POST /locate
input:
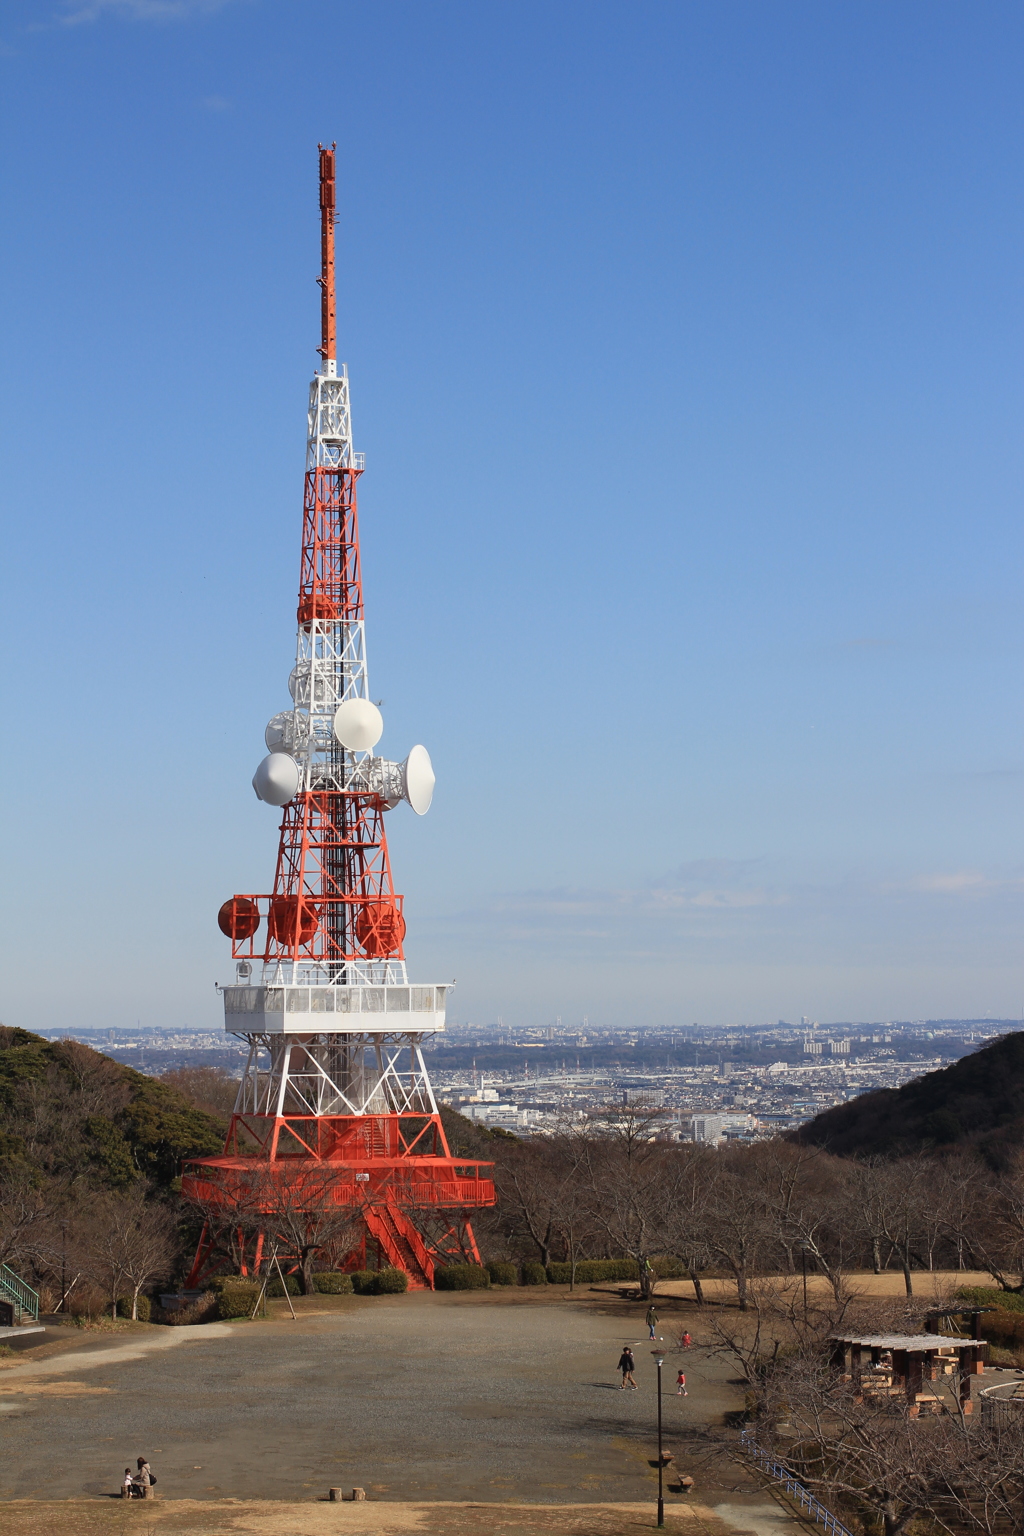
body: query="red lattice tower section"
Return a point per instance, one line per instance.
(336, 1145)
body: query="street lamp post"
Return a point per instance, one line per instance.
(659, 1357)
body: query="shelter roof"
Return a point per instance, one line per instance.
(913, 1343)
(959, 1311)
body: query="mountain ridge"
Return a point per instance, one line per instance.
(976, 1102)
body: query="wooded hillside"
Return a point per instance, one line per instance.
(72, 1115)
(976, 1102)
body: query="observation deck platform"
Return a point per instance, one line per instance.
(303, 1010)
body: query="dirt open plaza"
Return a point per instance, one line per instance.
(456, 1412)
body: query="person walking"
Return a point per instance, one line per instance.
(686, 1341)
(627, 1365)
(681, 1385)
(652, 1320)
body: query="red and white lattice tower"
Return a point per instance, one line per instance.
(335, 1079)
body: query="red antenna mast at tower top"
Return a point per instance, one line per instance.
(328, 336)
(335, 1107)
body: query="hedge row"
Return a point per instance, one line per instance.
(502, 1274)
(588, 1270)
(461, 1277)
(331, 1283)
(379, 1282)
(236, 1294)
(1004, 1326)
(983, 1296)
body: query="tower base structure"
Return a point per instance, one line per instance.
(336, 1154)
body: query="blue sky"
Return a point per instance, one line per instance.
(685, 347)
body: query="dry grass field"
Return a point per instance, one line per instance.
(927, 1284)
(186, 1517)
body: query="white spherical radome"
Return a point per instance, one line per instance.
(276, 780)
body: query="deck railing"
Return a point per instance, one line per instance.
(13, 1288)
(796, 1490)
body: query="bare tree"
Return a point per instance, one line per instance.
(892, 1198)
(207, 1088)
(998, 1228)
(130, 1242)
(628, 1169)
(528, 1176)
(962, 1190)
(572, 1202)
(869, 1454)
(982, 1474)
(739, 1223)
(307, 1211)
(25, 1203)
(690, 1209)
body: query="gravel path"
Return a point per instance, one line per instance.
(425, 1396)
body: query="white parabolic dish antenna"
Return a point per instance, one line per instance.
(276, 780)
(358, 725)
(419, 780)
(280, 733)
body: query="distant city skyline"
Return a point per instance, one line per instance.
(741, 1082)
(685, 351)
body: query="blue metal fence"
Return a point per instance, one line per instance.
(797, 1491)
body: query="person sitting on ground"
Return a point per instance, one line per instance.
(627, 1365)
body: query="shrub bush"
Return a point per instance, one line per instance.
(534, 1274)
(985, 1296)
(378, 1282)
(667, 1267)
(502, 1274)
(589, 1270)
(1004, 1326)
(275, 1288)
(390, 1282)
(330, 1283)
(143, 1308)
(461, 1277)
(238, 1300)
(203, 1310)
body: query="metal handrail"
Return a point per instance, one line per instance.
(796, 1490)
(22, 1294)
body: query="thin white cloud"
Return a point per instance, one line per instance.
(962, 882)
(76, 12)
